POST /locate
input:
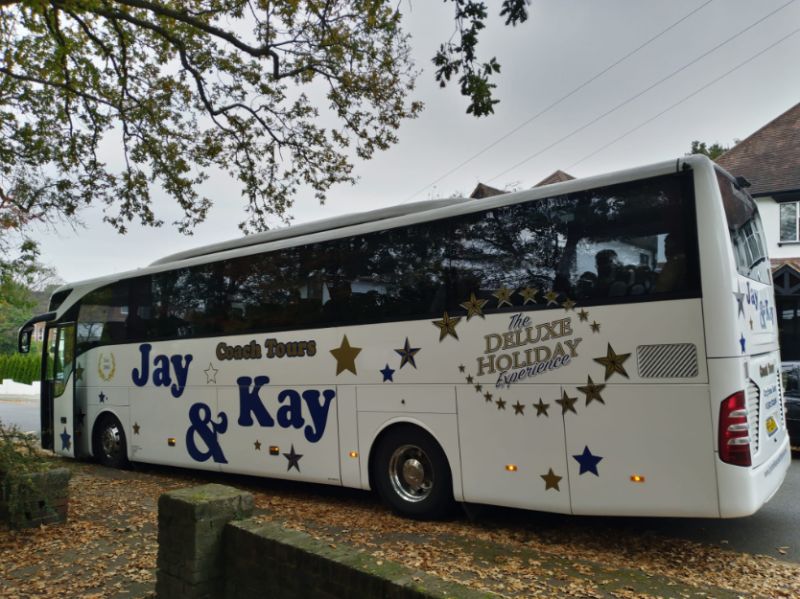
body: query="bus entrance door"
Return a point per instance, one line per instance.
(58, 390)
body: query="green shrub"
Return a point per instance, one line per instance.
(23, 368)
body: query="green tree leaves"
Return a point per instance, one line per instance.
(184, 89)
(105, 101)
(713, 151)
(453, 58)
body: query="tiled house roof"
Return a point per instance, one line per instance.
(770, 157)
(557, 177)
(485, 191)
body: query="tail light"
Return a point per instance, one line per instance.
(734, 432)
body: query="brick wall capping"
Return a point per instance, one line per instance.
(47, 501)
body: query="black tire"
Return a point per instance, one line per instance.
(411, 474)
(108, 442)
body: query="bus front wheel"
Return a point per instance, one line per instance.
(411, 473)
(110, 447)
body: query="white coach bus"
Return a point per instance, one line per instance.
(602, 346)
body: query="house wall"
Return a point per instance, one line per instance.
(770, 218)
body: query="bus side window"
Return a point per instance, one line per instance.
(673, 273)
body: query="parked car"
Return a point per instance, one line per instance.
(791, 393)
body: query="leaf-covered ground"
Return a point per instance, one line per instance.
(108, 548)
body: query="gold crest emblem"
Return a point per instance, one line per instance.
(106, 366)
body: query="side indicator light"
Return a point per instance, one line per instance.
(274, 450)
(171, 441)
(511, 467)
(353, 454)
(637, 478)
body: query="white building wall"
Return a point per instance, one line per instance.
(770, 218)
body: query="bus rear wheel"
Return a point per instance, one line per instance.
(109, 444)
(411, 474)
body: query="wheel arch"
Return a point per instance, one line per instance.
(449, 450)
(121, 418)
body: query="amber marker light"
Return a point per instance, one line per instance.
(511, 467)
(637, 478)
(353, 454)
(274, 450)
(171, 441)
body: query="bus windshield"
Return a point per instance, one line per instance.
(747, 234)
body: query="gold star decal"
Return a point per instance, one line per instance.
(447, 326)
(503, 296)
(613, 362)
(528, 294)
(568, 304)
(136, 428)
(257, 445)
(519, 408)
(541, 408)
(583, 315)
(211, 374)
(592, 391)
(469, 379)
(567, 403)
(345, 356)
(461, 368)
(551, 297)
(751, 324)
(79, 369)
(501, 403)
(474, 306)
(595, 326)
(487, 396)
(551, 480)
(478, 387)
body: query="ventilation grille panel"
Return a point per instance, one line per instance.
(780, 391)
(753, 403)
(670, 361)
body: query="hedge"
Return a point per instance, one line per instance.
(23, 368)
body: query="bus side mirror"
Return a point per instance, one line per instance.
(24, 340)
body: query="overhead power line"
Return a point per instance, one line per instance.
(644, 91)
(559, 100)
(682, 100)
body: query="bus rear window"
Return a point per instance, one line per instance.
(747, 234)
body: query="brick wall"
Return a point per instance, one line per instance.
(46, 501)
(200, 557)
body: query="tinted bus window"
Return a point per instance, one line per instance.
(102, 316)
(629, 242)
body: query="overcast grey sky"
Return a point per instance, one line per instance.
(684, 85)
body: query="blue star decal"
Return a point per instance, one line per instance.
(102, 397)
(387, 374)
(742, 342)
(407, 354)
(588, 461)
(65, 437)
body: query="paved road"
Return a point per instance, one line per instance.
(22, 411)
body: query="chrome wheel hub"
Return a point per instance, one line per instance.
(411, 473)
(109, 441)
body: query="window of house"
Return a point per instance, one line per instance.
(789, 215)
